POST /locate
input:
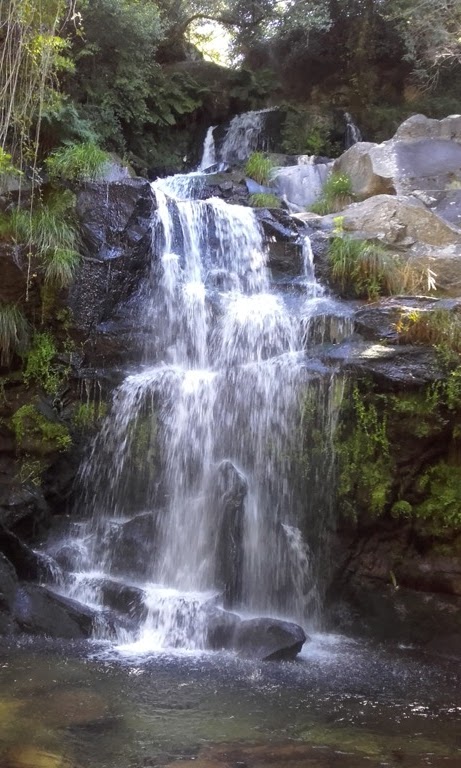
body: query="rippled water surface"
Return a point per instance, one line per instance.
(342, 704)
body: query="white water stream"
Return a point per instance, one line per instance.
(192, 487)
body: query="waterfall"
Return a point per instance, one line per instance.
(205, 483)
(209, 150)
(244, 136)
(353, 134)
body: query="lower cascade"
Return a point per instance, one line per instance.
(209, 488)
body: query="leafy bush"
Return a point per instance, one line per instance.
(14, 332)
(336, 194)
(259, 167)
(76, 162)
(264, 200)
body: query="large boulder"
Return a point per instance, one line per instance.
(269, 639)
(301, 185)
(423, 156)
(397, 220)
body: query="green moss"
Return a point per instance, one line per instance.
(32, 429)
(87, 415)
(365, 462)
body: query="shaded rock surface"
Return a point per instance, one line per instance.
(38, 611)
(269, 639)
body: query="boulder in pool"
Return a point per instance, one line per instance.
(269, 639)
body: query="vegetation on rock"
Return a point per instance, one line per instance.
(259, 168)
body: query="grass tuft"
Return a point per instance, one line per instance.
(366, 270)
(77, 162)
(14, 332)
(259, 167)
(336, 194)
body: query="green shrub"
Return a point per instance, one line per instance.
(336, 194)
(14, 332)
(77, 162)
(441, 509)
(40, 366)
(259, 168)
(264, 200)
(30, 427)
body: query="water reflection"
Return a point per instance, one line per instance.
(343, 704)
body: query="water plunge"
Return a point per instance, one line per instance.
(212, 478)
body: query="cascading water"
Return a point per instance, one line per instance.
(193, 485)
(245, 135)
(353, 134)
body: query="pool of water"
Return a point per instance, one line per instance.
(343, 703)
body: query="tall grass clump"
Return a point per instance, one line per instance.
(259, 167)
(50, 232)
(336, 194)
(366, 270)
(440, 328)
(14, 332)
(77, 162)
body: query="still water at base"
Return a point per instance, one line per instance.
(343, 704)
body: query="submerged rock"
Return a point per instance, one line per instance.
(269, 639)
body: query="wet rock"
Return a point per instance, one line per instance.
(23, 508)
(269, 639)
(221, 627)
(379, 321)
(406, 366)
(230, 492)
(29, 565)
(39, 611)
(115, 221)
(379, 610)
(124, 598)
(8, 584)
(133, 545)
